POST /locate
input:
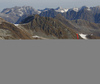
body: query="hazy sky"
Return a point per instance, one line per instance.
(40, 4)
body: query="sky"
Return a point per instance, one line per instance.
(41, 4)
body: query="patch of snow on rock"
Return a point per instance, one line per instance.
(16, 24)
(60, 9)
(39, 12)
(76, 9)
(38, 37)
(21, 13)
(35, 36)
(66, 10)
(88, 9)
(83, 36)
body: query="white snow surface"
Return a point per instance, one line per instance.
(35, 36)
(76, 9)
(66, 10)
(16, 24)
(83, 36)
(21, 13)
(89, 9)
(62, 10)
(39, 12)
(38, 37)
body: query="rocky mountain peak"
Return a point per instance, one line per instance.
(16, 14)
(60, 7)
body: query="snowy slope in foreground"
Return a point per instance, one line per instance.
(83, 36)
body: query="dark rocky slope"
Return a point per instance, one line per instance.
(48, 27)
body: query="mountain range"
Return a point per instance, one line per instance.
(60, 23)
(36, 28)
(91, 14)
(81, 26)
(16, 14)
